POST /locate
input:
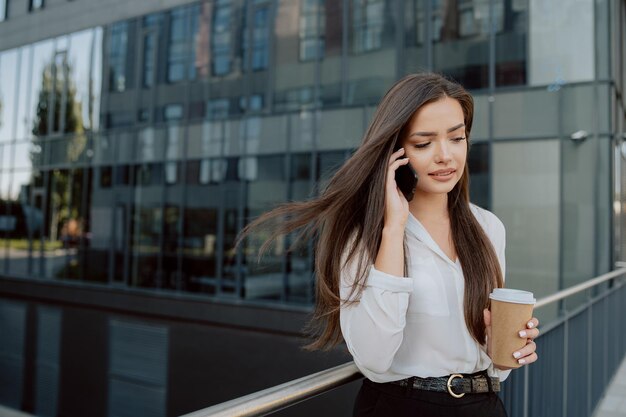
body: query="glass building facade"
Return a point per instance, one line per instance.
(132, 153)
(138, 138)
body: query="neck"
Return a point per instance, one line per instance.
(429, 207)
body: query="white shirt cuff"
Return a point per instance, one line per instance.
(384, 281)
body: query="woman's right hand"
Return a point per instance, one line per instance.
(396, 205)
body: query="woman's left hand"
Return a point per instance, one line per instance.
(526, 354)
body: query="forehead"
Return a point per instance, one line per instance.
(437, 116)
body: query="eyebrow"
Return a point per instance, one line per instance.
(452, 129)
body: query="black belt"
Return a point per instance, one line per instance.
(456, 385)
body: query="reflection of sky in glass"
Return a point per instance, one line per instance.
(22, 158)
(8, 90)
(4, 184)
(5, 156)
(20, 178)
(42, 56)
(96, 77)
(25, 74)
(79, 61)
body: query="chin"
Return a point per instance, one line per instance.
(440, 188)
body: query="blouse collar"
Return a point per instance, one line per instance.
(418, 229)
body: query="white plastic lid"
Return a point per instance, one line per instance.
(512, 296)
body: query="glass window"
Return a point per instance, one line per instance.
(96, 80)
(181, 53)
(367, 25)
(478, 163)
(200, 230)
(461, 39)
(3, 10)
(149, 59)
(256, 40)
(36, 5)
(79, 62)
(253, 103)
(222, 40)
(218, 108)
(512, 45)
(172, 112)
(264, 190)
(118, 49)
(9, 67)
(526, 190)
(312, 29)
(373, 46)
(106, 176)
(43, 56)
(560, 51)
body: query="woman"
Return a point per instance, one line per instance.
(410, 293)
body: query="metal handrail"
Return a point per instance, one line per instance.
(284, 395)
(281, 396)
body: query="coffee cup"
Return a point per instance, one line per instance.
(511, 310)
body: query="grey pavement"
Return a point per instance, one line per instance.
(613, 403)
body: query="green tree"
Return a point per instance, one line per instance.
(64, 136)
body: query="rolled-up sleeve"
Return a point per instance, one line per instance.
(373, 326)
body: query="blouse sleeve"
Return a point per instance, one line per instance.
(500, 239)
(373, 326)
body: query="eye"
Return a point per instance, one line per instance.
(459, 139)
(422, 145)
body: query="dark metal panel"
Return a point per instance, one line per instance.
(129, 399)
(138, 363)
(577, 371)
(48, 358)
(12, 333)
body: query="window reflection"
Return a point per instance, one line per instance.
(461, 36)
(512, 44)
(478, 164)
(368, 19)
(264, 190)
(181, 49)
(3, 10)
(95, 86)
(149, 51)
(118, 51)
(372, 46)
(256, 35)
(200, 230)
(312, 29)
(23, 125)
(35, 5)
(9, 68)
(222, 37)
(79, 73)
(152, 29)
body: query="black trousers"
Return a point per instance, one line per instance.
(384, 400)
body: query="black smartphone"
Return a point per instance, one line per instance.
(406, 179)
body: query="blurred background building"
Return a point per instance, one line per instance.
(138, 137)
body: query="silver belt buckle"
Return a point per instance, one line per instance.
(450, 385)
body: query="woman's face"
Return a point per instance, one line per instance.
(436, 146)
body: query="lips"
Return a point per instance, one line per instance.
(442, 172)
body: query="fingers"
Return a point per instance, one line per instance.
(534, 322)
(527, 354)
(396, 164)
(529, 334)
(397, 154)
(487, 317)
(531, 331)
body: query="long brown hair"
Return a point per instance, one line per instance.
(347, 217)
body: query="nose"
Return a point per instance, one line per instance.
(443, 153)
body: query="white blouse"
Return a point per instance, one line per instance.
(415, 326)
